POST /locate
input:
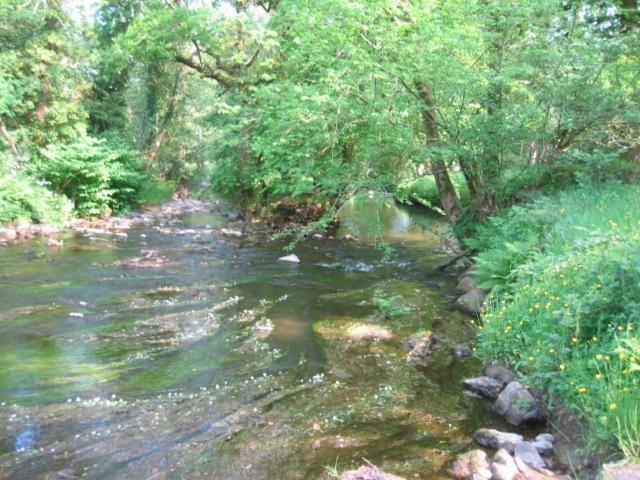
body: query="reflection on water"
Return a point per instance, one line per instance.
(223, 362)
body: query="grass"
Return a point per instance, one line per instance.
(565, 304)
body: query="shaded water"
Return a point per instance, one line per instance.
(222, 362)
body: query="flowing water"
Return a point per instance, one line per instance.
(216, 360)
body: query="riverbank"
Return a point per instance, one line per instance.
(563, 309)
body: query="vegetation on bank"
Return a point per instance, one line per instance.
(565, 303)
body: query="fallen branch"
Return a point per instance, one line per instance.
(444, 266)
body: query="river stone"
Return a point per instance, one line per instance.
(472, 465)
(500, 372)
(293, 258)
(486, 386)
(621, 471)
(491, 438)
(518, 406)
(471, 302)
(368, 472)
(529, 473)
(504, 466)
(527, 452)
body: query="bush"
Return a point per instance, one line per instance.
(21, 197)
(568, 318)
(95, 174)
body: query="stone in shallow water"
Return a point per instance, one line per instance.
(293, 258)
(527, 452)
(491, 438)
(486, 386)
(621, 471)
(368, 332)
(420, 345)
(471, 302)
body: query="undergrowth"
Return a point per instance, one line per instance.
(565, 304)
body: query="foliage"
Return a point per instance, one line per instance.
(21, 198)
(570, 315)
(95, 174)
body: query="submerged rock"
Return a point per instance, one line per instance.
(466, 284)
(472, 465)
(293, 258)
(368, 472)
(491, 438)
(486, 386)
(368, 332)
(471, 302)
(518, 405)
(420, 345)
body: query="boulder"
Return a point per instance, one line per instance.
(491, 438)
(229, 232)
(368, 472)
(518, 405)
(500, 372)
(486, 386)
(546, 437)
(621, 471)
(472, 465)
(504, 466)
(420, 345)
(527, 452)
(293, 258)
(544, 447)
(471, 302)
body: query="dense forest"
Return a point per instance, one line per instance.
(517, 121)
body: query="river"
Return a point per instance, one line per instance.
(220, 361)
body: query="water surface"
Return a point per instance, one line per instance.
(223, 362)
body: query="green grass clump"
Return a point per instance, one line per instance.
(22, 198)
(567, 312)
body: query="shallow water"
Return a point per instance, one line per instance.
(223, 362)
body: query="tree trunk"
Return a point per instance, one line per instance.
(152, 152)
(9, 139)
(446, 191)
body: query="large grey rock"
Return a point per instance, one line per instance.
(491, 438)
(504, 466)
(518, 405)
(471, 302)
(472, 465)
(546, 437)
(544, 447)
(368, 472)
(527, 452)
(621, 471)
(486, 386)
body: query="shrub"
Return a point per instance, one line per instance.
(94, 174)
(21, 197)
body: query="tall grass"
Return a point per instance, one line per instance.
(565, 308)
